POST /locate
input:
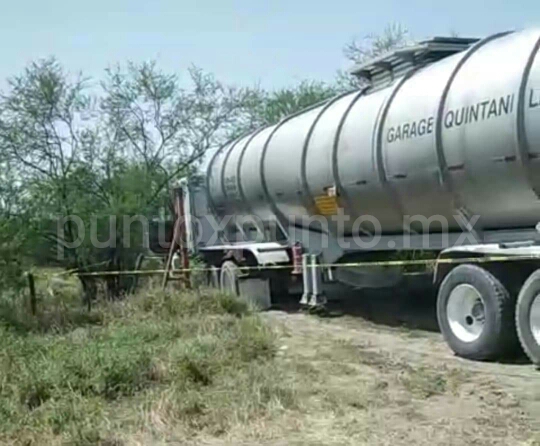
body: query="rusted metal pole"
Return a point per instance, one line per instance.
(178, 240)
(182, 238)
(170, 255)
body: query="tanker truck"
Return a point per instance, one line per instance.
(438, 153)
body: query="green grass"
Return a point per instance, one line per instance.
(200, 362)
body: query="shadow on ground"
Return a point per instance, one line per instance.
(411, 305)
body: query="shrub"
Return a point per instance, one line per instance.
(205, 359)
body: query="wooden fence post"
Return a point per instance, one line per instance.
(32, 288)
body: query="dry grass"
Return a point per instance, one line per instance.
(202, 368)
(352, 391)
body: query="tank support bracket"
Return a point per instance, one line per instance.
(306, 289)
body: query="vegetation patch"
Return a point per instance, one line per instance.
(200, 360)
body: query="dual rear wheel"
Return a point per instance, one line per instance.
(228, 278)
(224, 278)
(481, 320)
(528, 317)
(261, 291)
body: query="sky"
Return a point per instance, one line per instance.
(273, 43)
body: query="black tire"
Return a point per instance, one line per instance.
(529, 291)
(228, 279)
(498, 335)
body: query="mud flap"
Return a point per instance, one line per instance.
(256, 291)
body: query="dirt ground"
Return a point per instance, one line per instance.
(375, 370)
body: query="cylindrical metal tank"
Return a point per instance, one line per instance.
(461, 135)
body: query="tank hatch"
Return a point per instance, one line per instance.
(394, 64)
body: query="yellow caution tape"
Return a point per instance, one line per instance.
(67, 272)
(323, 265)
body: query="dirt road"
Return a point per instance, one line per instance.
(376, 371)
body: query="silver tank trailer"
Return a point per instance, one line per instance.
(460, 135)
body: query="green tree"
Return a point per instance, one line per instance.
(105, 158)
(15, 228)
(359, 51)
(150, 119)
(42, 121)
(269, 107)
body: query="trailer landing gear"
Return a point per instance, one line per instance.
(312, 294)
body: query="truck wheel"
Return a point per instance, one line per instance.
(528, 317)
(228, 280)
(212, 277)
(476, 314)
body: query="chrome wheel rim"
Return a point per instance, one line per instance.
(465, 313)
(534, 318)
